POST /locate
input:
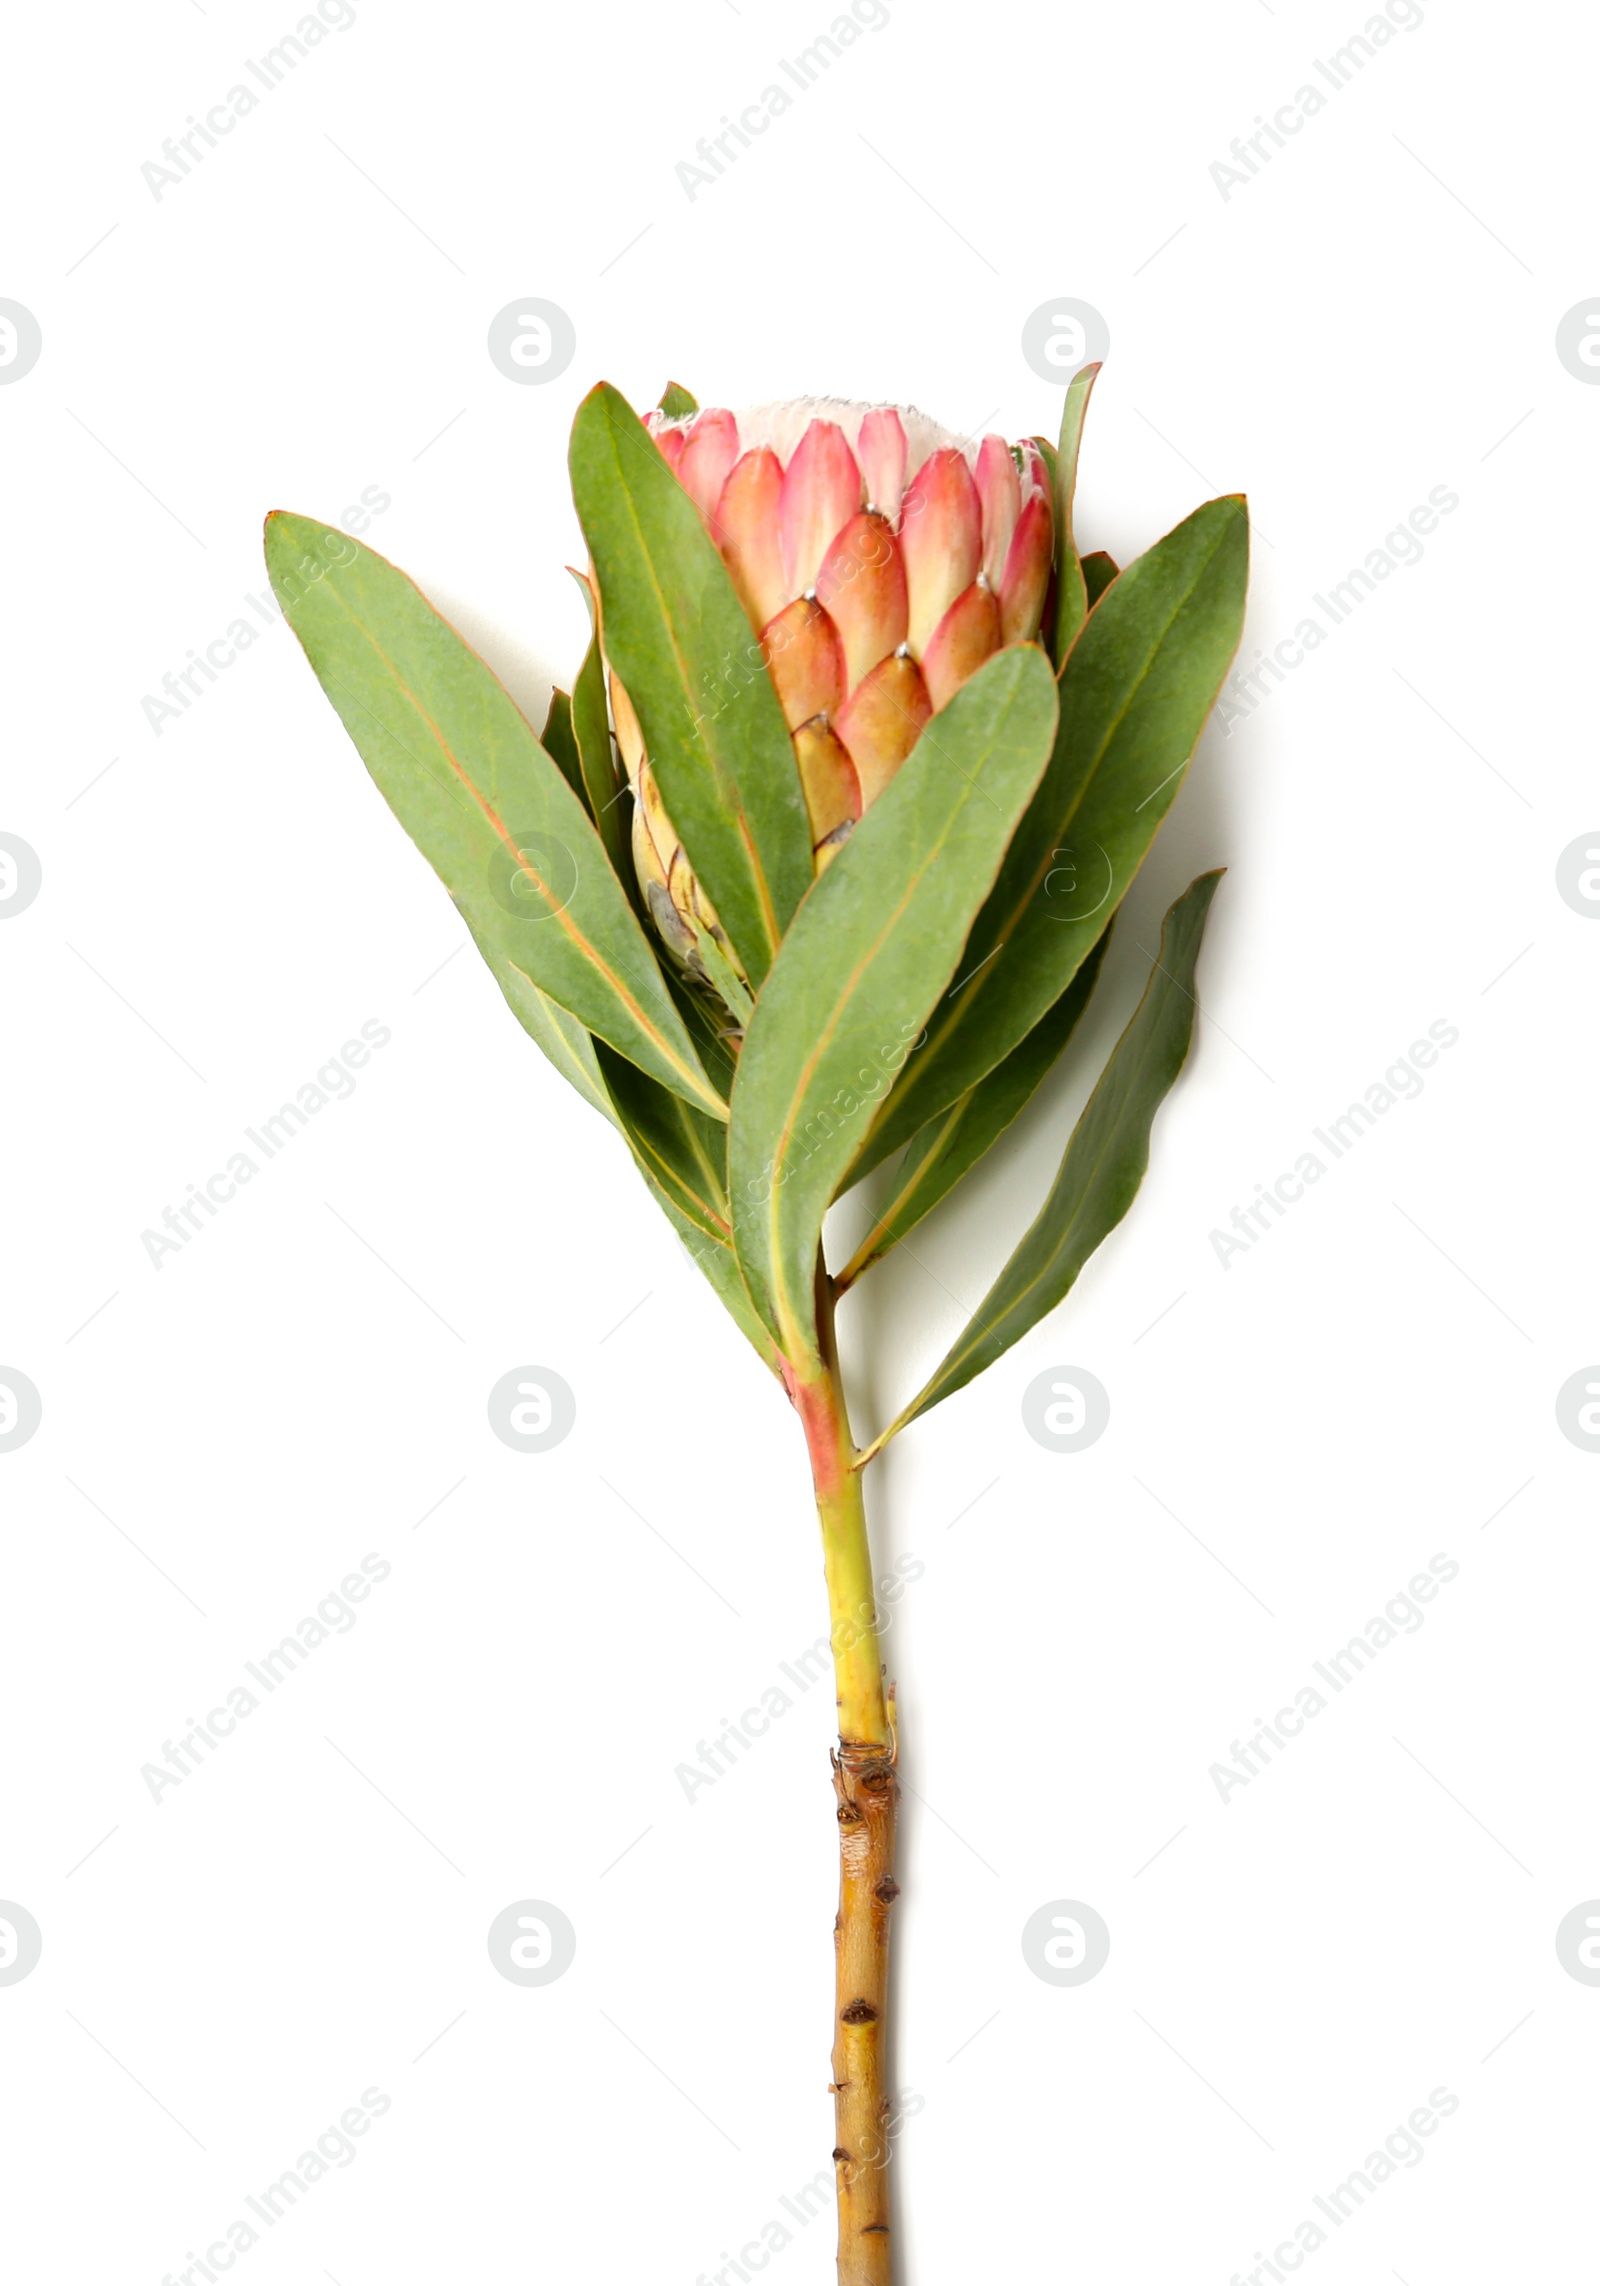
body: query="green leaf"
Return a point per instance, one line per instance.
(950, 1146)
(1072, 600)
(1099, 570)
(677, 636)
(1135, 692)
(1104, 1163)
(868, 955)
(599, 780)
(558, 742)
(464, 774)
(677, 403)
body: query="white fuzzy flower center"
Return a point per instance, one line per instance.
(781, 426)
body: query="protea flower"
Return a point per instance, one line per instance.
(880, 560)
(894, 709)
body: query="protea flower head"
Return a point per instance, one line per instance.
(880, 560)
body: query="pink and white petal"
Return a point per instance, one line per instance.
(827, 777)
(862, 586)
(821, 492)
(805, 659)
(1027, 572)
(670, 444)
(1000, 494)
(968, 634)
(941, 538)
(882, 720)
(708, 458)
(881, 449)
(746, 530)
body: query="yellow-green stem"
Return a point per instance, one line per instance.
(846, 1552)
(852, 1615)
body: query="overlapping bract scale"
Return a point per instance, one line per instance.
(877, 577)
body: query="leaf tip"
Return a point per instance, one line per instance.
(587, 586)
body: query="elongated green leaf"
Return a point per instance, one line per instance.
(677, 635)
(867, 957)
(1104, 1163)
(1072, 598)
(1135, 692)
(599, 780)
(676, 402)
(558, 742)
(1099, 570)
(464, 774)
(950, 1146)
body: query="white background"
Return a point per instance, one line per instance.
(1373, 1383)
